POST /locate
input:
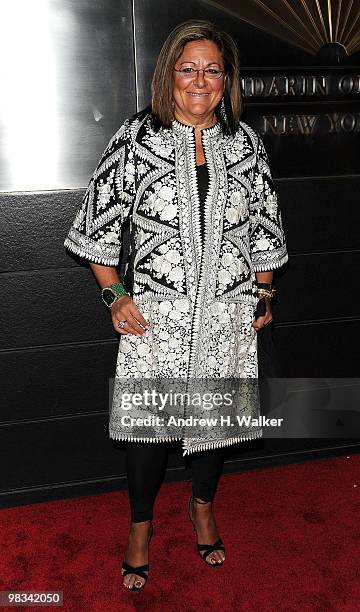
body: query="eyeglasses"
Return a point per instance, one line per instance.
(189, 73)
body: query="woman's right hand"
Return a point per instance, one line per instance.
(124, 309)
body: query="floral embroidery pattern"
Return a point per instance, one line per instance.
(232, 268)
(162, 352)
(160, 145)
(239, 149)
(159, 202)
(231, 326)
(165, 263)
(197, 292)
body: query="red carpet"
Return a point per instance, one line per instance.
(292, 535)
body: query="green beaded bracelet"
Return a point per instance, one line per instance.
(111, 293)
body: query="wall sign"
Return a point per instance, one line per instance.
(300, 86)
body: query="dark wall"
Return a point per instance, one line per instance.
(58, 347)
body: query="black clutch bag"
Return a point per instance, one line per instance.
(260, 308)
(268, 360)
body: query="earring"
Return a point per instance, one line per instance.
(222, 108)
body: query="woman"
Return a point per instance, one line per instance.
(206, 233)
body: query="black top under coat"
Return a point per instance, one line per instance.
(203, 185)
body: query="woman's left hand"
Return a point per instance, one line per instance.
(266, 318)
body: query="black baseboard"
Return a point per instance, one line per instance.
(262, 454)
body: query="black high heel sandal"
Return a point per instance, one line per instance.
(205, 550)
(139, 571)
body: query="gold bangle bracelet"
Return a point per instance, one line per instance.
(266, 293)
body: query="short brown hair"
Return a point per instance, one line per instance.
(162, 81)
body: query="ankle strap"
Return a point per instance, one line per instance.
(199, 501)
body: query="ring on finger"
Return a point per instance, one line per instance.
(121, 324)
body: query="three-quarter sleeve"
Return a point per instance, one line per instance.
(268, 248)
(96, 230)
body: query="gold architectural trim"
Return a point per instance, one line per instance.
(307, 24)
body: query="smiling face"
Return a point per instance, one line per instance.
(196, 96)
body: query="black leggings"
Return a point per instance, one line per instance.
(146, 465)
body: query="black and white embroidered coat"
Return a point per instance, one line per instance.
(196, 290)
